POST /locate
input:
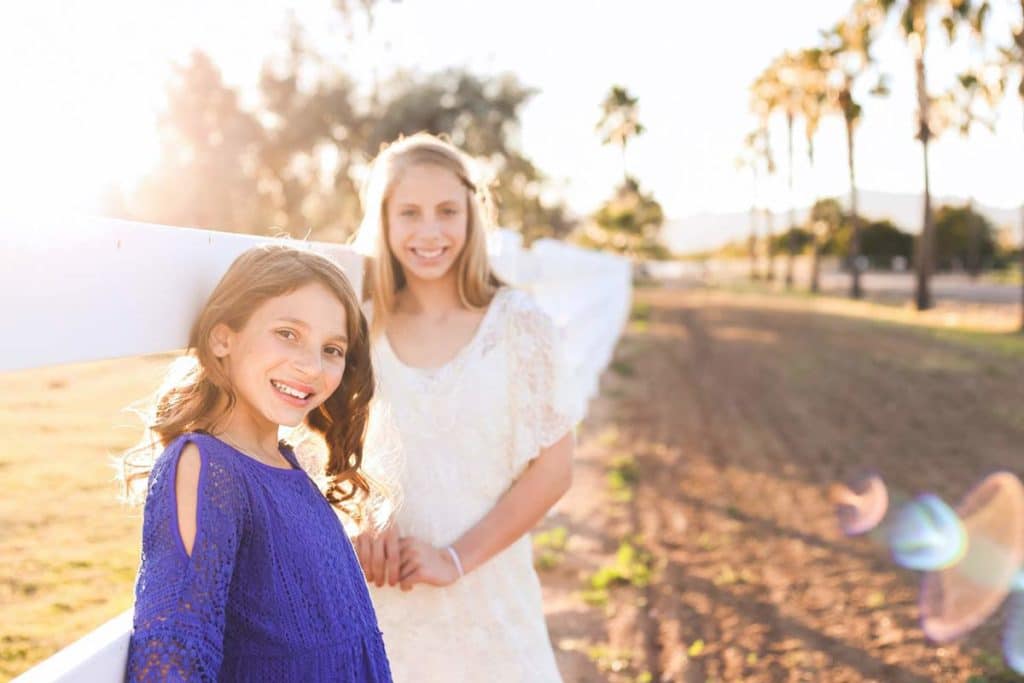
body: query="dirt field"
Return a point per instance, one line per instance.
(730, 414)
(696, 544)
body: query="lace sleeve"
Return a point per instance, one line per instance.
(180, 600)
(541, 399)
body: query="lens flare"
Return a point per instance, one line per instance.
(960, 596)
(861, 505)
(926, 535)
(1013, 633)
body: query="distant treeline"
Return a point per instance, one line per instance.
(965, 240)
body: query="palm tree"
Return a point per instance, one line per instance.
(778, 89)
(752, 156)
(765, 99)
(619, 122)
(913, 19)
(848, 60)
(743, 161)
(813, 101)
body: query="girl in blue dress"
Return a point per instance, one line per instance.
(246, 572)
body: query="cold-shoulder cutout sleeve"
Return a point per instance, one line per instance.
(541, 397)
(181, 599)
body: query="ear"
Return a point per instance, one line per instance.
(221, 337)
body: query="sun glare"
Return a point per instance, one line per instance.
(83, 125)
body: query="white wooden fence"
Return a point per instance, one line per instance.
(84, 290)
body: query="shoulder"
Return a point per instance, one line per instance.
(195, 447)
(523, 312)
(517, 303)
(203, 463)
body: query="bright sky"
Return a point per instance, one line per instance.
(84, 81)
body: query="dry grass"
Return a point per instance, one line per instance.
(69, 548)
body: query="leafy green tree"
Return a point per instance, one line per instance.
(208, 173)
(481, 117)
(1010, 64)
(305, 160)
(825, 219)
(628, 223)
(963, 238)
(619, 122)
(971, 100)
(884, 241)
(290, 165)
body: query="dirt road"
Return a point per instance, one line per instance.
(727, 416)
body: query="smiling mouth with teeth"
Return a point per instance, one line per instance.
(290, 391)
(429, 253)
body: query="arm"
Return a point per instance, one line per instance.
(544, 482)
(540, 450)
(191, 531)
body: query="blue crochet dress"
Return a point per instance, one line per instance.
(272, 591)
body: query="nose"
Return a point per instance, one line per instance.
(430, 228)
(309, 362)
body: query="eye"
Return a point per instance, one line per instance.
(336, 351)
(285, 333)
(449, 211)
(407, 212)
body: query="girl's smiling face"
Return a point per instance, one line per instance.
(288, 358)
(428, 219)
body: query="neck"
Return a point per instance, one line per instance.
(430, 297)
(247, 433)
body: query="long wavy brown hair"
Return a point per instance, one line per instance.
(196, 394)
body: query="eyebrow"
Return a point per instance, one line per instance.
(416, 205)
(340, 336)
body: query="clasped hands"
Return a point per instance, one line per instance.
(388, 558)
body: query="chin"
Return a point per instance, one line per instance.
(287, 418)
(433, 273)
(291, 422)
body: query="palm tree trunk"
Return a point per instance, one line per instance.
(854, 255)
(1022, 267)
(815, 246)
(1020, 89)
(924, 257)
(973, 241)
(791, 239)
(625, 174)
(752, 239)
(752, 245)
(769, 239)
(815, 263)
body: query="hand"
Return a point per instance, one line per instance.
(423, 563)
(379, 554)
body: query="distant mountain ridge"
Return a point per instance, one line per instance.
(710, 230)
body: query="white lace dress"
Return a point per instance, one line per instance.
(466, 431)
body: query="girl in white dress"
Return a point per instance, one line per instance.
(470, 375)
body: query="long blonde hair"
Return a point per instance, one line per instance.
(197, 393)
(384, 278)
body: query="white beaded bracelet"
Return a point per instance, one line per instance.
(455, 559)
